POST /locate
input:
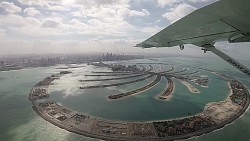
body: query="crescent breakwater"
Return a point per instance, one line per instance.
(214, 116)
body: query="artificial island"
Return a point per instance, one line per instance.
(214, 116)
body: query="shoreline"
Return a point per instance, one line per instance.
(168, 96)
(213, 117)
(134, 92)
(190, 87)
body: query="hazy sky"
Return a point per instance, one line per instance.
(58, 26)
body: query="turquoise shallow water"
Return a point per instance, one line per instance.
(19, 122)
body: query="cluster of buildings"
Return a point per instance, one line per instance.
(201, 81)
(215, 115)
(239, 95)
(92, 126)
(116, 84)
(40, 90)
(182, 126)
(116, 67)
(54, 110)
(6, 66)
(20, 62)
(136, 91)
(168, 91)
(46, 81)
(112, 57)
(39, 93)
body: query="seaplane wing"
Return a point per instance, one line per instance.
(225, 20)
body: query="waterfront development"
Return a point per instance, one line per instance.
(19, 121)
(215, 115)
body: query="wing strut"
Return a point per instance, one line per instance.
(227, 58)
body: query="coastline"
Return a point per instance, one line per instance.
(136, 91)
(190, 87)
(96, 127)
(166, 98)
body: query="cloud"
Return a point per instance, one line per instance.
(32, 21)
(50, 23)
(31, 11)
(127, 12)
(98, 39)
(178, 12)
(99, 3)
(12, 20)
(95, 22)
(57, 8)
(78, 14)
(106, 9)
(77, 23)
(151, 30)
(101, 18)
(28, 2)
(2, 31)
(18, 23)
(102, 23)
(163, 3)
(39, 2)
(10, 7)
(199, 1)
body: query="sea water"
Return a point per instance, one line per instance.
(19, 122)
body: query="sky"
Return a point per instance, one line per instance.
(82, 26)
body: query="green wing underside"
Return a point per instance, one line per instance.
(216, 22)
